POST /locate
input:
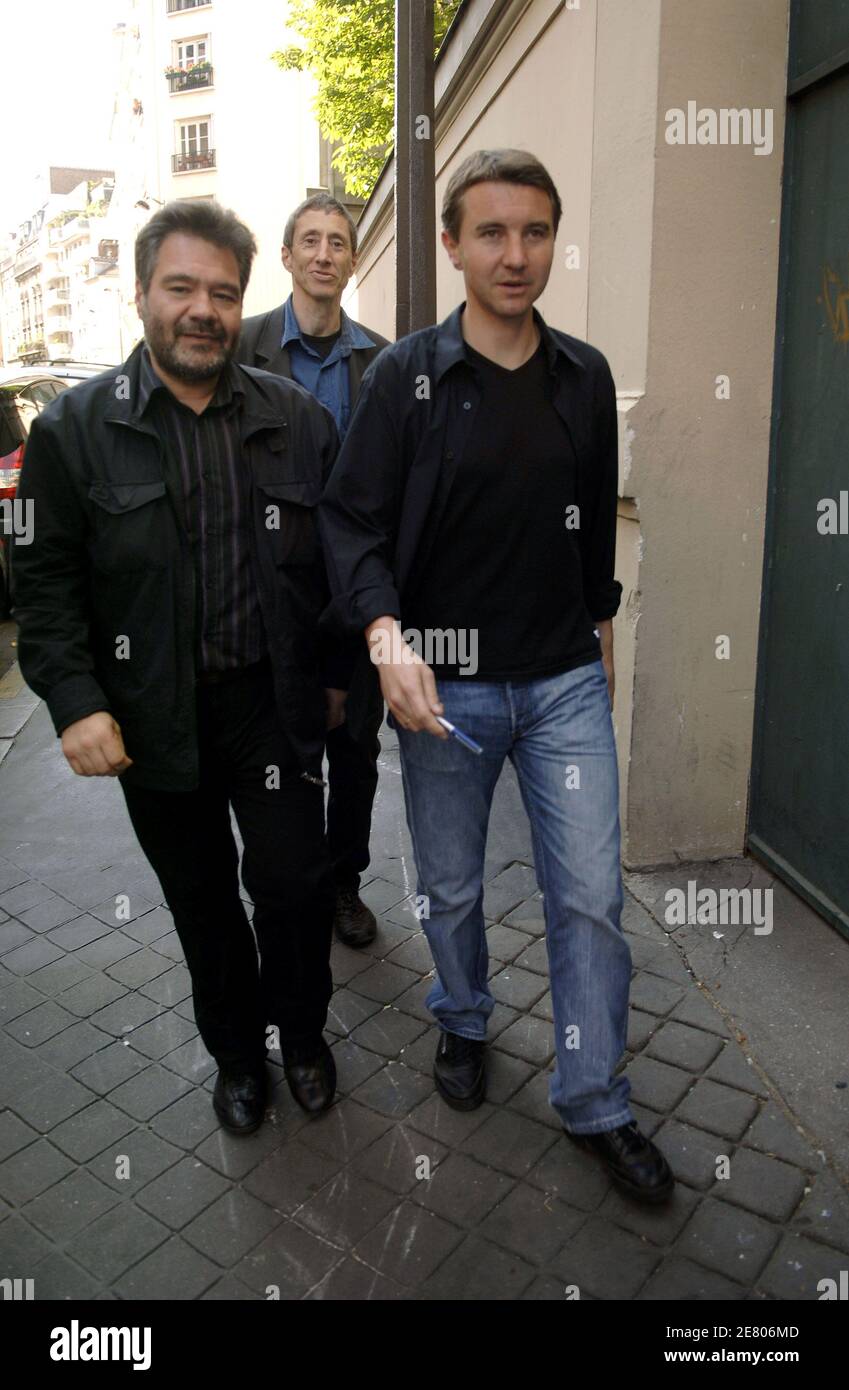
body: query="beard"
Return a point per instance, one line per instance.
(186, 361)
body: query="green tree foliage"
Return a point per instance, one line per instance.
(349, 47)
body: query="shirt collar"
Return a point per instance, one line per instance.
(351, 335)
(451, 345)
(229, 384)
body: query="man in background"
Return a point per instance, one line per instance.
(312, 340)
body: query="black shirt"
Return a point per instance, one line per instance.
(323, 345)
(217, 514)
(505, 563)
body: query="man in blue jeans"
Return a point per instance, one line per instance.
(474, 500)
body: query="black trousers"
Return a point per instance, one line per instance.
(352, 775)
(188, 840)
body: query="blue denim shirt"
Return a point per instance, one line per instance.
(327, 380)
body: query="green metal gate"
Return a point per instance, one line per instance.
(799, 806)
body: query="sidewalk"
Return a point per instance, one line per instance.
(117, 1183)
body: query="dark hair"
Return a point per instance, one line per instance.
(496, 166)
(205, 219)
(320, 202)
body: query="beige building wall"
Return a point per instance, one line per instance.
(667, 261)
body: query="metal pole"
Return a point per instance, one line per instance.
(415, 168)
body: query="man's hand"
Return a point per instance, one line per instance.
(605, 633)
(407, 683)
(94, 747)
(335, 707)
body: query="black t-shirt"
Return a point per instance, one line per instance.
(323, 346)
(504, 561)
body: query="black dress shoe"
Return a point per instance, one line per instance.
(632, 1160)
(356, 924)
(311, 1073)
(239, 1099)
(459, 1070)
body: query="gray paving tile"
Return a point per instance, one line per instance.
(461, 1190)
(169, 988)
(533, 1224)
(344, 1130)
(117, 1240)
(718, 1109)
(90, 996)
(173, 1272)
(162, 1035)
(399, 1159)
(773, 1133)
(732, 1069)
(23, 1247)
(691, 1153)
(798, 1268)
(387, 1032)
(519, 989)
(394, 1091)
(728, 1240)
(126, 1013)
(351, 1281)
(679, 1280)
(509, 1142)
(824, 1213)
(383, 982)
(188, 1121)
(347, 1207)
(59, 975)
(35, 953)
(109, 1067)
(134, 1160)
(290, 1260)
(181, 1193)
(762, 1185)
(58, 1278)
(661, 1224)
(14, 1134)
(77, 933)
(52, 1102)
(90, 1131)
(107, 949)
(139, 968)
(605, 1261)
(682, 1046)
(289, 1176)
(41, 1023)
(353, 1065)
(69, 1206)
(409, 1244)
(30, 1171)
(529, 1038)
(149, 1092)
(231, 1227)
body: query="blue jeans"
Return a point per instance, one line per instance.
(558, 734)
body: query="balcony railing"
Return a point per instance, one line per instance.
(188, 163)
(191, 80)
(174, 6)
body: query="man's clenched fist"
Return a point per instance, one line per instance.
(94, 747)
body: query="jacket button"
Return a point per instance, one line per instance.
(467, 405)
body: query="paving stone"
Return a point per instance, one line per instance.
(150, 927)
(168, 989)
(439, 1121)
(23, 1247)
(544, 1007)
(85, 887)
(239, 1155)
(509, 1142)
(732, 1069)
(17, 998)
(162, 1035)
(123, 908)
(383, 982)
(65, 1209)
(351, 1281)
(395, 1160)
(694, 1009)
(187, 1122)
(149, 1092)
(763, 1185)
(49, 913)
(656, 1084)
(412, 1001)
(26, 894)
(347, 1207)
(533, 1224)
(824, 1214)
(691, 1153)
(661, 1224)
(419, 1054)
(532, 1100)
(31, 956)
(500, 1018)
(231, 1227)
(13, 934)
(181, 1193)
(797, 1268)
(175, 1272)
(605, 1261)
(169, 945)
(505, 1075)
(14, 1135)
(344, 1130)
(408, 1244)
(229, 1289)
(58, 1279)
(461, 1190)
(21, 1070)
(126, 1014)
(667, 963)
(571, 1174)
(654, 995)
(413, 954)
(353, 1065)
(529, 1038)
(510, 888)
(11, 876)
(690, 1048)
(648, 1120)
(59, 975)
(380, 895)
(638, 922)
(131, 1162)
(391, 934)
(52, 1102)
(288, 1177)
(518, 988)
(107, 1068)
(291, 1259)
(91, 1130)
(40, 1023)
(394, 1091)
(682, 1281)
(120, 1238)
(641, 1026)
(478, 1271)
(728, 1240)
(534, 958)
(78, 933)
(139, 968)
(718, 1109)
(347, 1010)
(774, 1134)
(108, 950)
(346, 963)
(387, 1032)
(506, 943)
(191, 1061)
(30, 1171)
(90, 996)
(544, 1288)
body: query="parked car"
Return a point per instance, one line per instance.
(24, 392)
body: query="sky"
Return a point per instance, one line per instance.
(56, 94)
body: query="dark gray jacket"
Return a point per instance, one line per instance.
(259, 346)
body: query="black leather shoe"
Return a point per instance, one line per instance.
(311, 1073)
(459, 1070)
(633, 1161)
(239, 1099)
(356, 924)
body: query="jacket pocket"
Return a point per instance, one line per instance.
(127, 526)
(287, 517)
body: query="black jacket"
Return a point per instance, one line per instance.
(381, 508)
(110, 558)
(259, 346)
